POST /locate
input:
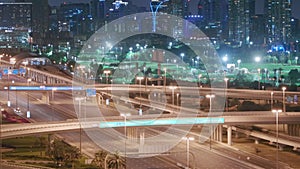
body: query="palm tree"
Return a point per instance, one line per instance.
(99, 159)
(116, 161)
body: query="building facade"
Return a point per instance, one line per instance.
(15, 25)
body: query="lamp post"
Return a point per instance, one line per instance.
(8, 100)
(28, 111)
(177, 99)
(272, 94)
(210, 96)
(226, 86)
(239, 62)
(106, 72)
(258, 70)
(13, 82)
(173, 88)
(140, 79)
(277, 111)
(165, 79)
(188, 139)
(283, 99)
(182, 55)
(125, 132)
(79, 99)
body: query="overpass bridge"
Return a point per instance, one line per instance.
(16, 130)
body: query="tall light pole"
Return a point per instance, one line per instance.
(226, 86)
(125, 132)
(106, 72)
(277, 111)
(177, 99)
(188, 139)
(79, 99)
(140, 79)
(272, 94)
(13, 82)
(283, 99)
(182, 56)
(165, 79)
(8, 100)
(210, 96)
(140, 82)
(28, 111)
(173, 88)
(258, 70)
(239, 62)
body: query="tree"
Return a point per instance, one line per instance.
(99, 159)
(294, 75)
(62, 153)
(116, 161)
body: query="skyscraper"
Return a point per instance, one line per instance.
(278, 21)
(239, 14)
(214, 13)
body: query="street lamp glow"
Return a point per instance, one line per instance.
(257, 59)
(225, 58)
(276, 111)
(182, 55)
(283, 98)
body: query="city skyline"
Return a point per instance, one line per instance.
(295, 5)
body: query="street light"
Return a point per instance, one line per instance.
(258, 70)
(177, 99)
(277, 111)
(272, 94)
(165, 79)
(16, 96)
(210, 96)
(106, 72)
(226, 86)
(239, 62)
(28, 111)
(182, 55)
(125, 132)
(140, 79)
(257, 59)
(188, 139)
(283, 99)
(79, 99)
(173, 88)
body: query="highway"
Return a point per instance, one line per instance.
(62, 108)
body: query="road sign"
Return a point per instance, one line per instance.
(90, 92)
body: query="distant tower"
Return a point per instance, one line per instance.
(278, 21)
(239, 22)
(214, 13)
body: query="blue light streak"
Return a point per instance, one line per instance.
(159, 122)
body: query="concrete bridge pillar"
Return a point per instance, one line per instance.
(220, 127)
(229, 135)
(293, 129)
(45, 97)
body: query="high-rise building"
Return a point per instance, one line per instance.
(214, 13)
(239, 14)
(15, 25)
(278, 21)
(74, 19)
(40, 20)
